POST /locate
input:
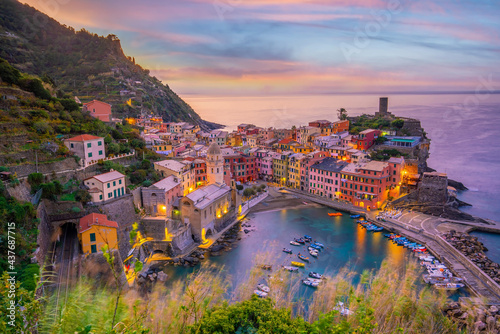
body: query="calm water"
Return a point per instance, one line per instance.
(347, 245)
(492, 242)
(464, 144)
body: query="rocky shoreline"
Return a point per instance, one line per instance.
(474, 249)
(474, 318)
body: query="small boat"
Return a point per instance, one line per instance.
(434, 279)
(319, 244)
(317, 280)
(299, 240)
(290, 268)
(305, 203)
(334, 214)
(449, 286)
(263, 287)
(295, 243)
(313, 253)
(297, 264)
(315, 275)
(261, 294)
(426, 258)
(310, 283)
(316, 247)
(287, 250)
(307, 237)
(355, 216)
(344, 311)
(303, 258)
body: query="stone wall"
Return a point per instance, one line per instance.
(412, 127)
(182, 240)
(153, 228)
(433, 188)
(45, 232)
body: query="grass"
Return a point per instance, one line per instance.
(67, 197)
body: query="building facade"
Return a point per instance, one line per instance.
(89, 148)
(107, 186)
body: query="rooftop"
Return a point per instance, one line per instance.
(174, 165)
(203, 197)
(330, 165)
(167, 183)
(84, 138)
(106, 177)
(95, 219)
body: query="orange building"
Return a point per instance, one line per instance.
(98, 109)
(95, 231)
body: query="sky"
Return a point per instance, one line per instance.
(300, 47)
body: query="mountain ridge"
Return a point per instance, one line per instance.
(86, 65)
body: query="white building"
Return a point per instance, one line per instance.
(89, 148)
(104, 187)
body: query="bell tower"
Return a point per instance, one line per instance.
(215, 164)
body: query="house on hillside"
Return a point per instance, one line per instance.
(95, 231)
(89, 148)
(104, 187)
(98, 109)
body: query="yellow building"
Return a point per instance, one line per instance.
(297, 148)
(95, 231)
(294, 172)
(280, 168)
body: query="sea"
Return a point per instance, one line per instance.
(464, 130)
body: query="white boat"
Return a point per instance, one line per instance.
(435, 279)
(317, 280)
(344, 311)
(290, 268)
(439, 273)
(313, 253)
(310, 283)
(263, 287)
(427, 258)
(449, 286)
(295, 243)
(261, 294)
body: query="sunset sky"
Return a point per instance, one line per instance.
(259, 47)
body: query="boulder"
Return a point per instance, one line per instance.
(479, 326)
(490, 322)
(162, 277)
(216, 248)
(493, 309)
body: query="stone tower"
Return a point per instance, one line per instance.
(215, 164)
(383, 107)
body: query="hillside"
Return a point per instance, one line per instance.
(82, 64)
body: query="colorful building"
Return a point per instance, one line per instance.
(242, 167)
(365, 139)
(324, 177)
(107, 186)
(159, 198)
(89, 148)
(98, 109)
(95, 231)
(184, 171)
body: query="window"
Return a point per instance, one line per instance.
(72, 145)
(99, 143)
(109, 184)
(100, 197)
(93, 249)
(92, 237)
(114, 183)
(120, 181)
(90, 154)
(89, 145)
(109, 195)
(100, 152)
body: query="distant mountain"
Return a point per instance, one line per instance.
(82, 64)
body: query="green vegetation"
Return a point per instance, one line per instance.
(386, 154)
(385, 302)
(364, 122)
(79, 63)
(342, 114)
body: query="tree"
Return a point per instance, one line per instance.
(342, 114)
(83, 196)
(248, 192)
(398, 123)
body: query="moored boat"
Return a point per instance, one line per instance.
(310, 283)
(303, 258)
(315, 247)
(299, 240)
(355, 216)
(449, 286)
(290, 268)
(297, 264)
(319, 244)
(315, 275)
(307, 237)
(261, 294)
(263, 287)
(295, 243)
(317, 280)
(433, 279)
(333, 214)
(313, 253)
(287, 250)
(266, 266)
(344, 311)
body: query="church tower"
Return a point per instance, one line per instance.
(215, 164)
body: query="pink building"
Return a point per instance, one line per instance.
(98, 109)
(365, 139)
(325, 176)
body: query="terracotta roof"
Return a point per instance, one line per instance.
(94, 101)
(84, 138)
(95, 219)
